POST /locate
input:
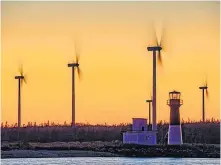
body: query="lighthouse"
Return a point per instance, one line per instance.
(175, 132)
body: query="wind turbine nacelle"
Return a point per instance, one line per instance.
(73, 65)
(203, 87)
(154, 48)
(19, 77)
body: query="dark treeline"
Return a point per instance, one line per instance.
(193, 132)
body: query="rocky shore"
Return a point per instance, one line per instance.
(106, 149)
(53, 154)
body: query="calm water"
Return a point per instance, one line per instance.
(111, 161)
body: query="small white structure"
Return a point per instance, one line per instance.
(175, 131)
(140, 133)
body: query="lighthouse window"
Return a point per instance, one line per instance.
(142, 128)
(171, 96)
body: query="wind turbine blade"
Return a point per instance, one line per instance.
(75, 49)
(154, 35)
(77, 58)
(159, 59)
(205, 80)
(79, 72)
(207, 93)
(25, 79)
(21, 70)
(163, 38)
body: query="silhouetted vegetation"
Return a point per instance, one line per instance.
(193, 132)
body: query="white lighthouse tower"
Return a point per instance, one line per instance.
(175, 132)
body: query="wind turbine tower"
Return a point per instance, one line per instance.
(21, 79)
(74, 65)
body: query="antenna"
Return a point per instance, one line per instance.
(149, 125)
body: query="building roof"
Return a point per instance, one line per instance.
(174, 92)
(139, 119)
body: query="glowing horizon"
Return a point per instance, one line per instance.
(116, 66)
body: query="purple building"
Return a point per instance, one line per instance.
(140, 133)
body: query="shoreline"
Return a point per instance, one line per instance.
(106, 149)
(53, 154)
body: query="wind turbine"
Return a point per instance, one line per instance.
(158, 46)
(204, 87)
(21, 78)
(74, 65)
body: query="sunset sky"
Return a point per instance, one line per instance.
(117, 68)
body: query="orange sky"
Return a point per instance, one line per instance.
(116, 66)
